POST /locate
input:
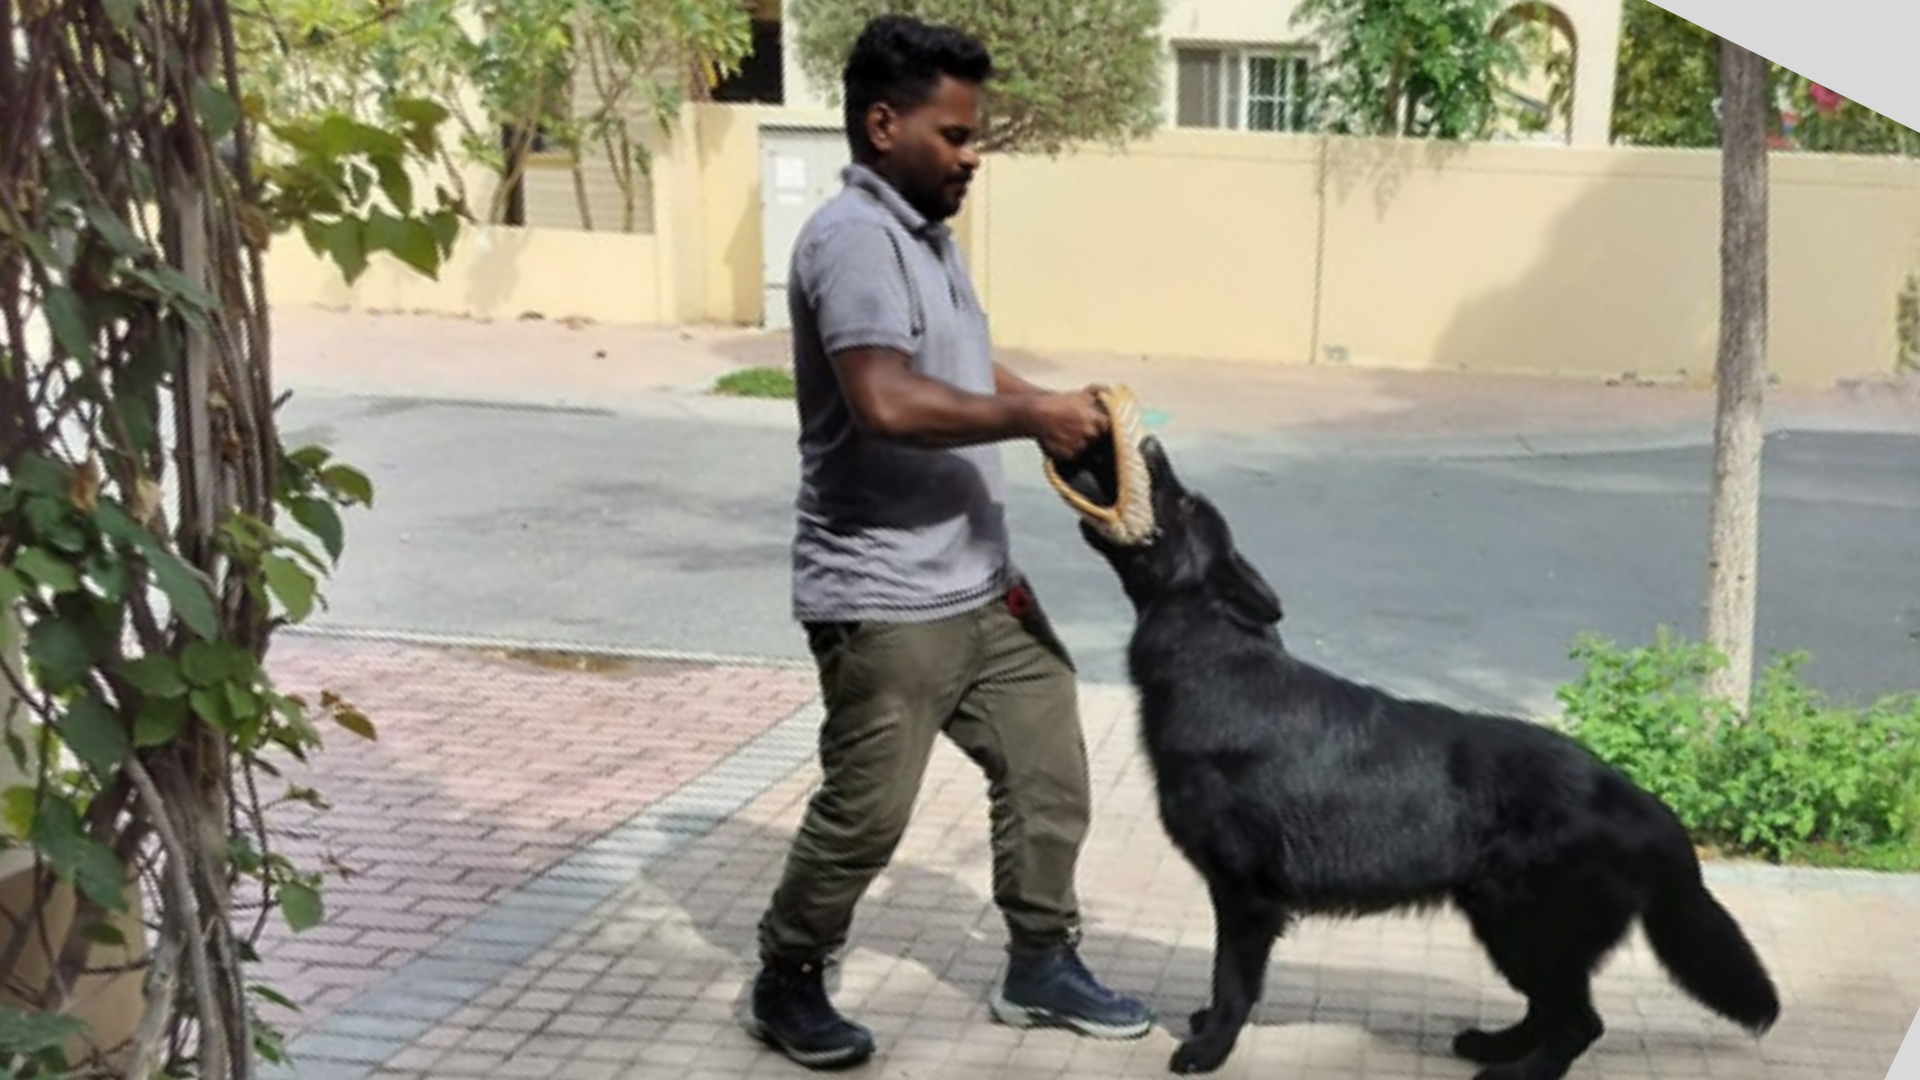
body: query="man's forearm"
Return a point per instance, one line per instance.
(1007, 383)
(937, 416)
(894, 402)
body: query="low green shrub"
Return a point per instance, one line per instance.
(757, 382)
(1801, 779)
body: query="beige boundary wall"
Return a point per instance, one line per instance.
(1486, 258)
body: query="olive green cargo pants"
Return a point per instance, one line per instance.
(998, 682)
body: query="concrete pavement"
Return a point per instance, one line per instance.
(626, 955)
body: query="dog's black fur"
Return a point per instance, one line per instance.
(1293, 791)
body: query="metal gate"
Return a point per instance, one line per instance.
(799, 170)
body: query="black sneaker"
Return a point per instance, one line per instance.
(1053, 988)
(790, 1012)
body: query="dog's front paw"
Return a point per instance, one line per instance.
(1198, 1055)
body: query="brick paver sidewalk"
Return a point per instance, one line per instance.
(489, 768)
(644, 981)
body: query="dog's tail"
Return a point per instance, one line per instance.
(1701, 945)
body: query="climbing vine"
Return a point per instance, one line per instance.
(154, 530)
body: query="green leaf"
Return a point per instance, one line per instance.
(12, 588)
(77, 858)
(308, 458)
(420, 112)
(161, 721)
(349, 483)
(446, 227)
(243, 855)
(293, 586)
(155, 675)
(37, 1033)
(104, 933)
(340, 136)
(300, 903)
(54, 521)
(177, 288)
(111, 229)
(42, 476)
(108, 572)
(17, 811)
(346, 241)
(59, 649)
(315, 232)
(210, 704)
(185, 589)
(210, 663)
(94, 733)
(296, 728)
(67, 316)
(395, 183)
(268, 1044)
(323, 521)
(411, 241)
(242, 702)
(268, 993)
(218, 111)
(48, 570)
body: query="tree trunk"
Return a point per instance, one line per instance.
(1739, 373)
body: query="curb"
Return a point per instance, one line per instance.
(436, 640)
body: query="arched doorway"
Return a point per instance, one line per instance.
(1540, 100)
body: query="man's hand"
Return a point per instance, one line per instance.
(1064, 424)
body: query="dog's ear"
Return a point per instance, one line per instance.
(1249, 600)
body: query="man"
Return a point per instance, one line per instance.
(902, 575)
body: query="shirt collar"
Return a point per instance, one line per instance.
(864, 178)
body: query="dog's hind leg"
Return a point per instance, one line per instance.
(1548, 948)
(1563, 1025)
(1245, 927)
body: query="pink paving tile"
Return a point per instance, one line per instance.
(489, 768)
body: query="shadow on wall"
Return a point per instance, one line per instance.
(1626, 280)
(1382, 167)
(497, 255)
(1624, 284)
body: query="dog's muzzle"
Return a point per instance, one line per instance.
(1107, 483)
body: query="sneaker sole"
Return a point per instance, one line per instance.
(824, 1060)
(1026, 1016)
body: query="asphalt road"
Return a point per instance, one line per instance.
(1440, 571)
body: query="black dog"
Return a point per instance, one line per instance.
(1293, 791)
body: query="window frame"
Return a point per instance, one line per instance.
(1233, 66)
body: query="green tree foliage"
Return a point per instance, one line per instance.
(1668, 80)
(1839, 126)
(580, 77)
(1421, 68)
(1068, 72)
(1668, 84)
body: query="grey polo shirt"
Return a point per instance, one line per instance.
(888, 532)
